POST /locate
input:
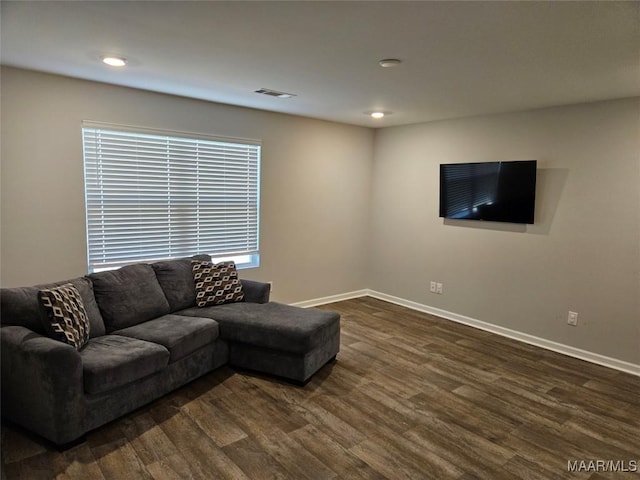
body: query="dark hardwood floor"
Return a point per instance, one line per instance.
(411, 396)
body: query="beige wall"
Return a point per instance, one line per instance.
(582, 254)
(314, 194)
(346, 208)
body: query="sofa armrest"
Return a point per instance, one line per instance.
(42, 384)
(256, 292)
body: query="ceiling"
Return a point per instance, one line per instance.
(459, 58)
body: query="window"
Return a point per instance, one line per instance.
(157, 195)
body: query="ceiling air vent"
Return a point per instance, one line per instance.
(274, 93)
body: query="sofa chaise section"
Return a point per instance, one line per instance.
(275, 338)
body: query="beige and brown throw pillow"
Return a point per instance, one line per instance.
(216, 283)
(68, 321)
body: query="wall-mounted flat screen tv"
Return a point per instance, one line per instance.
(491, 191)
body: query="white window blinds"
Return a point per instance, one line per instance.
(153, 196)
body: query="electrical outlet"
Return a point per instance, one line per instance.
(432, 287)
(572, 318)
(270, 286)
(439, 288)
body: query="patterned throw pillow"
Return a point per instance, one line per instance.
(68, 321)
(216, 284)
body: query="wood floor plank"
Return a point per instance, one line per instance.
(598, 403)
(412, 359)
(330, 452)
(461, 373)
(327, 422)
(614, 432)
(43, 466)
(216, 423)
(359, 362)
(147, 438)
(393, 377)
(17, 446)
(627, 394)
(540, 458)
(298, 461)
(81, 463)
(395, 464)
(204, 457)
(511, 408)
(410, 396)
(574, 443)
(516, 388)
(119, 460)
(452, 439)
(365, 418)
(281, 391)
(259, 414)
(172, 467)
(457, 454)
(255, 461)
(526, 470)
(464, 413)
(344, 382)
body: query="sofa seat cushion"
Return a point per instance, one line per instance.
(272, 325)
(111, 361)
(179, 334)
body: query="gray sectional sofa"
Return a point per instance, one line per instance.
(146, 338)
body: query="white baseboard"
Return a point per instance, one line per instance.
(603, 360)
(332, 298)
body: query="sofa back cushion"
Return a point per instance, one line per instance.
(128, 296)
(21, 306)
(176, 279)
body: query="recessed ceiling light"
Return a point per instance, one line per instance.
(114, 61)
(389, 62)
(377, 114)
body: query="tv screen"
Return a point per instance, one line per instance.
(491, 191)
